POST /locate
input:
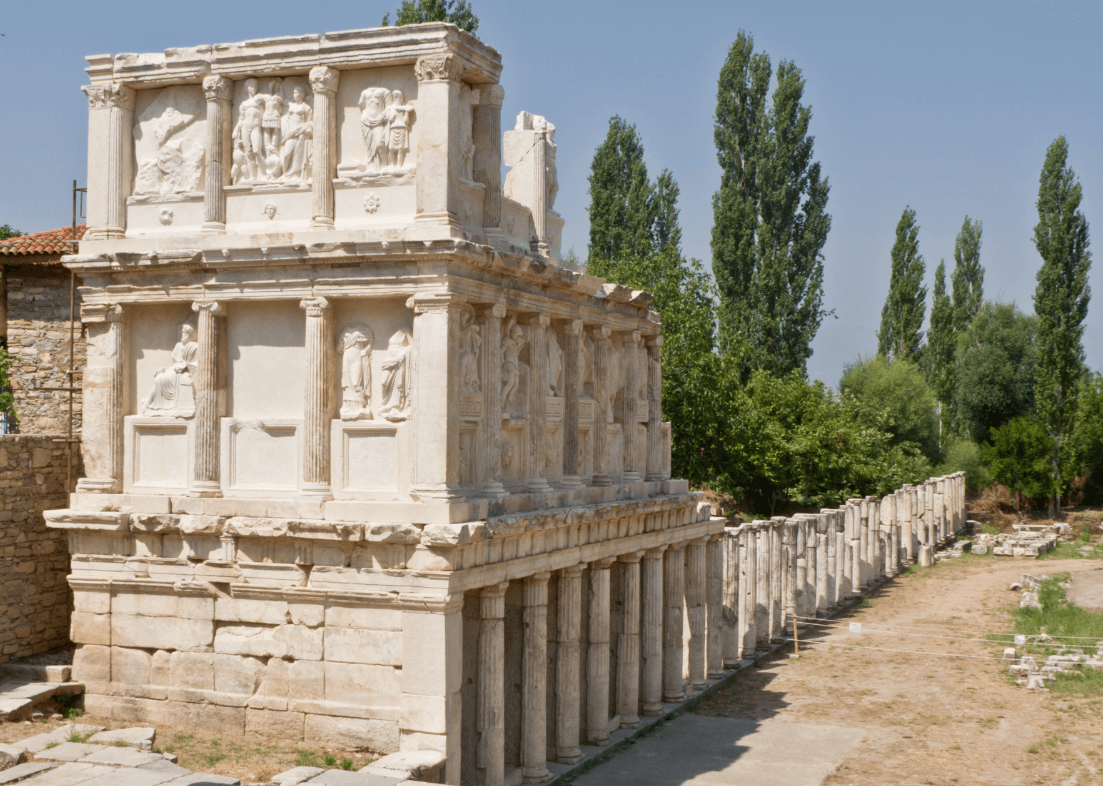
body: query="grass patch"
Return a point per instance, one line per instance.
(307, 758)
(1071, 626)
(74, 737)
(51, 745)
(121, 744)
(346, 764)
(1073, 551)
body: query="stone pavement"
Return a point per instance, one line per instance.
(704, 751)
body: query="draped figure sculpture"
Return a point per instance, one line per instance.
(173, 394)
(356, 348)
(396, 379)
(512, 342)
(297, 134)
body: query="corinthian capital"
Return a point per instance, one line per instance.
(217, 88)
(435, 68)
(110, 95)
(323, 79)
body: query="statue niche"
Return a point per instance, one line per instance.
(356, 349)
(173, 392)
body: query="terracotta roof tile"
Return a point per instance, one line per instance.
(52, 242)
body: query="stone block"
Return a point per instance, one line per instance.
(118, 756)
(159, 667)
(266, 642)
(92, 663)
(296, 775)
(237, 674)
(424, 713)
(92, 601)
(262, 607)
(272, 575)
(191, 671)
(354, 683)
(376, 617)
(130, 666)
(10, 755)
(356, 645)
(165, 633)
(23, 771)
(154, 602)
(90, 628)
(203, 779)
(140, 737)
(346, 778)
(354, 734)
(306, 607)
(69, 751)
(275, 725)
(420, 766)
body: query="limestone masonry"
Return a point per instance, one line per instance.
(367, 463)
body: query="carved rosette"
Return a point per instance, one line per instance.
(323, 79)
(111, 95)
(217, 88)
(436, 68)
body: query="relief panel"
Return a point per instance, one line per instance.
(260, 457)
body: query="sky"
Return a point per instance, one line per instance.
(944, 107)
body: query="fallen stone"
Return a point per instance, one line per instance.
(351, 778)
(70, 774)
(1035, 682)
(161, 765)
(39, 742)
(10, 755)
(1009, 655)
(22, 771)
(127, 776)
(423, 766)
(123, 757)
(139, 737)
(200, 779)
(69, 751)
(297, 775)
(1015, 587)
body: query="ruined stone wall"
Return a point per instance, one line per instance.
(35, 600)
(38, 342)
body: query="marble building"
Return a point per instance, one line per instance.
(366, 462)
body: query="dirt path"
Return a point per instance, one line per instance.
(931, 720)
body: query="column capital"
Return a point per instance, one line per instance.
(217, 88)
(101, 312)
(109, 95)
(574, 327)
(314, 306)
(491, 95)
(323, 79)
(537, 578)
(437, 68)
(424, 303)
(632, 337)
(677, 546)
(654, 553)
(717, 536)
(541, 318)
(492, 604)
(498, 310)
(574, 571)
(604, 331)
(210, 306)
(654, 341)
(632, 556)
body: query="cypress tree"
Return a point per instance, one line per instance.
(1061, 305)
(938, 358)
(770, 219)
(901, 330)
(621, 196)
(968, 274)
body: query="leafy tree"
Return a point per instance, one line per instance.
(938, 358)
(7, 400)
(1019, 458)
(413, 12)
(996, 361)
(770, 218)
(1089, 436)
(901, 332)
(1061, 303)
(7, 232)
(665, 230)
(968, 273)
(892, 396)
(964, 455)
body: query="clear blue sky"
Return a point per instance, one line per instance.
(947, 107)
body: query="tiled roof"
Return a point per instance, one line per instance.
(52, 242)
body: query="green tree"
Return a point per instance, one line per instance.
(996, 360)
(7, 232)
(769, 217)
(457, 12)
(622, 200)
(901, 332)
(1061, 303)
(892, 396)
(1089, 437)
(968, 274)
(938, 358)
(1018, 457)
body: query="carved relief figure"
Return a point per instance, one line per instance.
(356, 347)
(172, 394)
(585, 369)
(396, 379)
(385, 119)
(272, 138)
(373, 122)
(298, 131)
(512, 343)
(248, 130)
(555, 365)
(272, 117)
(613, 382)
(551, 179)
(173, 163)
(470, 342)
(399, 134)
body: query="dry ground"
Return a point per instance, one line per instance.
(930, 719)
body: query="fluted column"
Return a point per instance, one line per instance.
(104, 384)
(567, 666)
(492, 390)
(540, 190)
(762, 591)
(323, 81)
(714, 604)
(602, 473)
(628, 644)
(854, 509)
(821, 562)
(801, 573)
(217, 90)
(673, 623)
(534, 680)
(597, 655)
(789, 545)
(110, 158)
(486, 132)
(696, 610)
(206, 481)
(491, 700)
(775, 611)
(654, 408)
(538, 391)
(748, 579)
(439, 147)
(651, 647)
(318, 404)
(733, 586)
(571, 373)
(629, 408)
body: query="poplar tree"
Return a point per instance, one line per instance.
(968, 274)
(621, 197)
(770, 219)
(901, 332)
(1061, 305)
(938, 358)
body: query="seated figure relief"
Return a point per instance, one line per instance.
(173, 392)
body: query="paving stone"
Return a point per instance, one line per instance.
(164, 765)
(123, 757)
(350, 778)
(200, 779)
(10, 755)
(297, 775)
(59, 735)
(67, 775)
(22, 771)
(139, 737)
(69, 751)
(128, 776)
(9, 707)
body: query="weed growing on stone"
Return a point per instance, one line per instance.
(330, 761)
(51, 745)
(121, 744)
(346, 764)
(74, 737)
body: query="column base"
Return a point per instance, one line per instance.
(601, 479)
(655, 477)
(600, 742)
(321, 222)
(568, 756)
(494, 489)
(651, 710)
(98, 486)
(674, 699)
(315, 492)
(630, 722)
(572, 482)
(438, 493)
(535, 776)
(715, 675)
(204, 488)
(213, 228)
(630, 477)
(539, 486)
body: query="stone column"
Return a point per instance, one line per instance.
(540, 190)
(789, 545)
(928, 508)
(104, 392)
(439, 146)
(651, 646)
(602, 474)
(673, 624)
(597, 655)
(110, 159)
(486, 132)
(821, 562)
(628, 645)
(436, 470)
(538, 391)
(318, 409)
(217, 90)
(206, 481)
(492, 392)
(567, 670)
(629, 348)
(828, 517)
(762, 590)
(491, 701)
(837, 577)
(801, 574)
(904, 514)
(748, 615)
(570, 405)
(654, 408)
(776, 610)
(854, 507)
(732, 586)
(714, 603)
(323, 81)
(534, 681)
(696, 610)
(894, 539)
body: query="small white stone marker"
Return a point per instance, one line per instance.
(855, 627)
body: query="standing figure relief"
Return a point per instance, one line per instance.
(385, 119)
(356, 349)
(272, 137)
(470, 343)
(397, 383)
(173, 392)
(555, 365)
(512, 343)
